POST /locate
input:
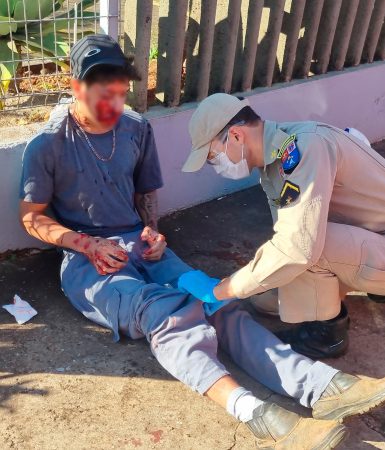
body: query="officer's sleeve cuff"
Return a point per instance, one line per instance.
(244, 284)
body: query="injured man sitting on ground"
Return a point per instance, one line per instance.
(96, 165)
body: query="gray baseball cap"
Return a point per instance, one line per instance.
(211, 116)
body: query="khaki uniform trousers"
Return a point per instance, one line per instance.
(353, 259)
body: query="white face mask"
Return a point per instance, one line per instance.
(228, 169)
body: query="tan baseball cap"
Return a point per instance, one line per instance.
(211, 116)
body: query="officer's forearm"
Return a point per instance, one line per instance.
(271, 268)
(147, 207)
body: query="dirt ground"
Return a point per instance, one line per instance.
(65, 385)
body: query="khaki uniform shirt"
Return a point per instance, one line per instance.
(338, 179)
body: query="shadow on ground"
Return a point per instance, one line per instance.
(65, 384)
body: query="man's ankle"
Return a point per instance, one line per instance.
(242, 404)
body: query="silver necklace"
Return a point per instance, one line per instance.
(102, 158)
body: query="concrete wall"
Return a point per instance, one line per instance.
(355, 97)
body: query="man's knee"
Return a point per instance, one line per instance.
(356, 256)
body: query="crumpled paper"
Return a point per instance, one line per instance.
(21, 310)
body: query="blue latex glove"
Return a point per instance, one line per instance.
(202, 287)
(211, 308)
(199, 285)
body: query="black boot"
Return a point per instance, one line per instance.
(319, 339)
(377, 298)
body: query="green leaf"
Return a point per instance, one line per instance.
(7, 25)
(61, 24)
(32, 9)
(46, 43)
(8, 65)
(85, 4)
(4, 7)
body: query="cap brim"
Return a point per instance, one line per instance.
(197, 159)
(106, 61)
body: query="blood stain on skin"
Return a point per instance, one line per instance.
(106, 113)
(156, 436)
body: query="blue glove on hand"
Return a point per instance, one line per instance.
(211, 308)
(199, 285)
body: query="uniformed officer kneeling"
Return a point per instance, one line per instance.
(325, 190)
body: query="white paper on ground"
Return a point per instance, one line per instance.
(21, 309)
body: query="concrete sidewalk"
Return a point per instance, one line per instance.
(65, 385)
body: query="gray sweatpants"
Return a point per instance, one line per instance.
(142, 300)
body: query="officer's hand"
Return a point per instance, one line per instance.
(156, 242)
(106, 255)
(199, 285)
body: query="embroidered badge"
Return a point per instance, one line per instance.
(289, 154)
(284, 145)
(290, 192)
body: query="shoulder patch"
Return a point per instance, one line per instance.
(289, 154)
(289, 194)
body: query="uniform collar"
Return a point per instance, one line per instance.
(273, 138)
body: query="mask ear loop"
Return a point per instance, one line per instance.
(227, 142)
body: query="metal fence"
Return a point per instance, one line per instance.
(35, 39)
(206, 46)
(186, 49)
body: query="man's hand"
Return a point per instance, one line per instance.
(199, 285)
(203, 287)
(106, 255)
(157, 243)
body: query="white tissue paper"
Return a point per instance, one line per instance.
(21, 309)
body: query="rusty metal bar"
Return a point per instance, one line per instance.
(142, 52)
(274, 29)
(343, 33)
(208, 10)
(326, 37)
(233, 17)
(380, 50)
(310, 37)
(374, 30)
(251, 42)
(295, 20)
(360, 31)
(175, 37)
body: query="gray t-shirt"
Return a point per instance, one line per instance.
(85, 193)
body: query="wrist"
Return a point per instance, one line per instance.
(79, 242)
(223, 291)
(216, 293)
